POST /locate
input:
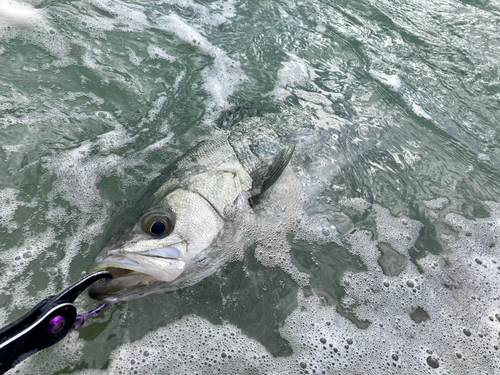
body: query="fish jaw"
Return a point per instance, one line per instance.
(135, 271)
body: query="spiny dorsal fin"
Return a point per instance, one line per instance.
(266, 177)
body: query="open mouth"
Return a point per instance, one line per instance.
(136, 269)
(119, 272)
(125, 264)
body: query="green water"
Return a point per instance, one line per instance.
(395, 103)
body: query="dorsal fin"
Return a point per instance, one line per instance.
(266, 176)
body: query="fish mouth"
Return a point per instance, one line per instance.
(133, 271)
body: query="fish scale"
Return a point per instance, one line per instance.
(197, 202)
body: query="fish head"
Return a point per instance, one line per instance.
(159, 249)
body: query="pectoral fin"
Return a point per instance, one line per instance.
(266, 176)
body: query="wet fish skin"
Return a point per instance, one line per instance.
(197, 198)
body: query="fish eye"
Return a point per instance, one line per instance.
(158, 228)
(158, 225)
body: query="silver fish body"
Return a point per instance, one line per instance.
(175, 236)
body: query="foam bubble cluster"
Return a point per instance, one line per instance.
(440, 313)
(273, 249)
(34, 26)
(436, 204)
(400, 232)
(16, 280)
(8, 207)
(57, 357)
(358, 204)
(115, 82)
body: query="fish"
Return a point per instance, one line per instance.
(174, 236)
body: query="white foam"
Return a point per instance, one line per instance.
(223, 77)
(292, 73)
(459, 290)
(133, 58)
(273, 249)
(129, 16)
(400, 232)
(483, 157)
(296, 78)
(215, 14)
(391, 80)
(12, 149)
(18, 14)
(79, 171)
(42, 27)
(69, 350)
(15, 279)
(465, 282)
(156, 52)
(320, 28)
(436, 204)
(33, 26)
(72, 96)
(8, 207)
(455, 282)
(394, 83)
(325, 342)
(154, 112)
(411, 157)
(9, 202)
(357, 204)
(419, 111)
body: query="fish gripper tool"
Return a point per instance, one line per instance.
(45, 324)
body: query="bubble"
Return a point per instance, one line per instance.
(432, 361)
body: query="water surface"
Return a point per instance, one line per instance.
(376, 253)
